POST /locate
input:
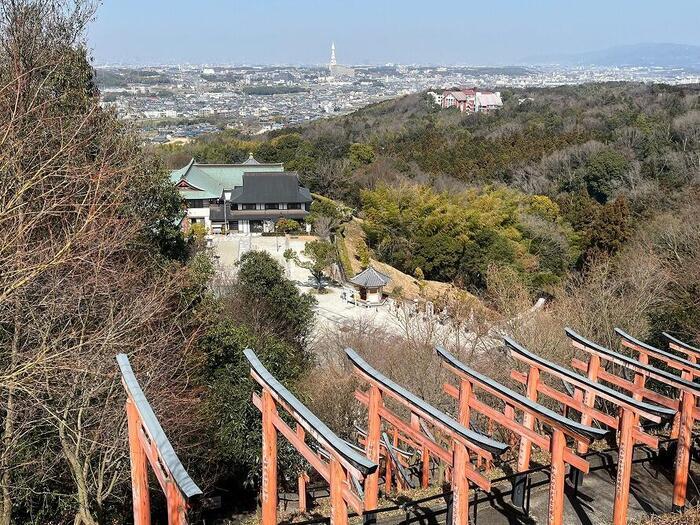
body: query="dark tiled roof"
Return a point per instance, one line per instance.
(370, 278)
(217, 214)
(261, 187)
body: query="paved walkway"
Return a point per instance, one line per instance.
(335, 312)
(650, 493)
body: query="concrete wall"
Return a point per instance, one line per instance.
(200, 213)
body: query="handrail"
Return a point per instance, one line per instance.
(604, 391)
(653, 349)
(363, 433)
(167, 454)
(573, 426)
(317, 427)
(651, 370)
(486, 443)
(395, 460)
(680, 343)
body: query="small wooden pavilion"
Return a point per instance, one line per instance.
(370, 284)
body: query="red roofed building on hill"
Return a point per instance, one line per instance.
(471, 100)
(463, 99)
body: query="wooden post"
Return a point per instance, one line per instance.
(675, 428)
(425, 479)
(589, 398)
(301, 483)
(425, 455)
(557, 472)
(509, 412)
(177, 508)
(139, 468)
(625, 455)
(460, 457)
(525, 450)
(339, 508)
(639, 382)
(303, 503)
(372, 448)
(465, 392)
(460, 485)
(683, 450)
(269, 460)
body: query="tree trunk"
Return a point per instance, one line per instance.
(6, 479)
(9, 425)
(83, 516)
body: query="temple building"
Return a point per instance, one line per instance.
(248, 197)
(370, 285)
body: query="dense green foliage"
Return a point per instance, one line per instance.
(269, 302)
(265, 312)
(455, 237)
(608, 155)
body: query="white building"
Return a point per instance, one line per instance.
(487, 101)
(437, 97)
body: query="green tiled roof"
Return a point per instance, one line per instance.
(176, 175)
(212, 179)
(195, 194)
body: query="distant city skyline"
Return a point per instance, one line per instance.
(388, 31)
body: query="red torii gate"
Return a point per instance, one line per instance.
(692, 352)
(685, 406)
(148, 444)
(583, 400)
(346, 468)
(463, 439)
(561, 428)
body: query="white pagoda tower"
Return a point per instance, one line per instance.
(333, 62)
(335, 69)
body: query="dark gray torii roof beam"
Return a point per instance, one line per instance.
(680, 343)
(182, 479)
(491, 445)
(535, 408)
(654, 350)
(633, 363)
(318, 428)
(604, 391)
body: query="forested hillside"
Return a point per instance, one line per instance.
(557, 179)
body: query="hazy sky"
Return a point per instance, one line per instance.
(379, 31)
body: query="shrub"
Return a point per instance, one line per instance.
(287, 226)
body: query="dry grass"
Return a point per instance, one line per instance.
(690, 517)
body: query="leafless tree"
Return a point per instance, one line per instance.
(323, 226)
(80, 281)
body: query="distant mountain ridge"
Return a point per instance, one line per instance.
(644, 54)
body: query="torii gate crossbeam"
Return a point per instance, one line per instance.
(561, 426)
(462, 438)
(148, 444)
